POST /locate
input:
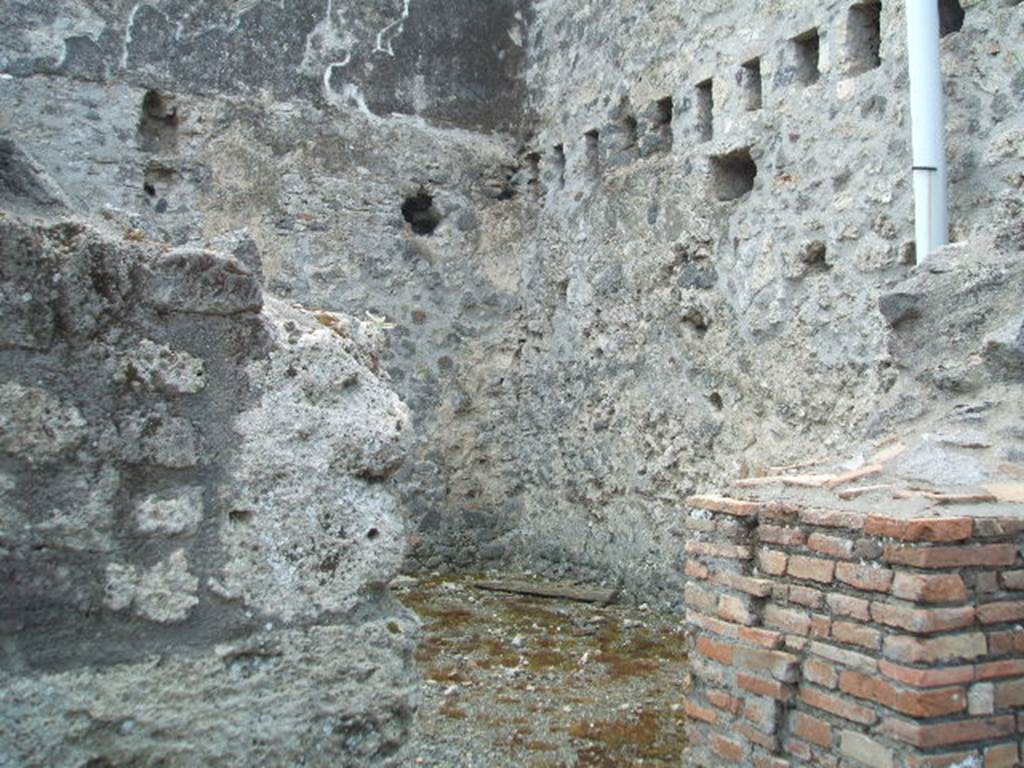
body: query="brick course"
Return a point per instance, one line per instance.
(810, 652)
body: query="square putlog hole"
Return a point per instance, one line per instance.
(863, 38)
(749, 78)
(806, 51)
(951, 17)
(733, 174)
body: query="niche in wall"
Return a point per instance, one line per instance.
(806, 53)
(863, 37)
(558, 165)
(951, 17)
(749, 78)
(592, 156)
(158, 122)
(732, 174)
(705, 118)
(662, 121)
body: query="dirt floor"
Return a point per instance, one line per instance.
(522, 681)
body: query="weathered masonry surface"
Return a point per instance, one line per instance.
(846, 638)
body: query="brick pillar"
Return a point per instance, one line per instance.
(827, 638)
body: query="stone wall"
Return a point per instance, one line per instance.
(652, 240)
(702, 292)
(827, 637)
(312, 161)
(195, 541)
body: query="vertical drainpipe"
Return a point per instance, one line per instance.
(931, 218)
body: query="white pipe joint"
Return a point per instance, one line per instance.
(931, 217)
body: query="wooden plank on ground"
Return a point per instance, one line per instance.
(554, 591)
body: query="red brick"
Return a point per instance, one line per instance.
(994, 669)
(697, 712)
(917, 703)
(712, 649)
(773, 689)
(762, 761)
(820, 673)
(922, 620)
(811, 728)
(821, 626)
(1010, 694)
(830, 518)
(997, 613)
(787, 619)
(723, 700)
(766, 638)
(837, 705)
(921, 588)
(833, 546)
(782, 535)
(700, 598)
(844, 605)
(914, 650)
(711, 624)
(772, 562)
(767, 740)
(927, 736)
(951, 557)
(813, 568)
(718, 549)
(866, 577)
(735, 609)
(856, 634)
(780, 512)
(927, 678)
(1002, 756)
(741, 583)
(780, 665)
(808, 596)
(695, 570)
(737, 507)
(727, 749)
(1004, 642)
(934, 529)
(797, 748)
(1012, 580)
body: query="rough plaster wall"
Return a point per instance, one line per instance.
(406, 56)
(169, 559)
(675, 339)
(196, 518)
(314, 171)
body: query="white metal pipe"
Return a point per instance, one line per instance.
(927, 118)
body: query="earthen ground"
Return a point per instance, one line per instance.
(520, 681)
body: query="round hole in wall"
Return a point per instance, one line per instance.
(420, 212)
(372, 534)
